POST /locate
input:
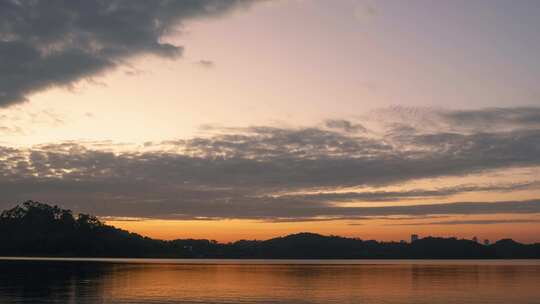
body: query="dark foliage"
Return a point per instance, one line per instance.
(35, 229)
(41, 230)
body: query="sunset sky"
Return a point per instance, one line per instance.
(246, 119)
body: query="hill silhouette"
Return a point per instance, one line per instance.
(36, 229)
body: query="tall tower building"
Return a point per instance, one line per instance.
(414, 237)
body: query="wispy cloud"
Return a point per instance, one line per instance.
(18, 121)
(471, 222)
(205, 64)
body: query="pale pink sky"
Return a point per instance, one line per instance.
(454, 83)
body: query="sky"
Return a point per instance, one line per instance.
(247, 119)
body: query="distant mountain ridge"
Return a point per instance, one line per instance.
(36, 229)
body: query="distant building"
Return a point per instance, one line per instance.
(414, 237)
(475, 239)
(486, 242)
(402, 242)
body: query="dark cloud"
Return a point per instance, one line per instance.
(352, 218)
(460, 208)
(494, 118)
(269, 173)
(394, 196)
(409, 120)
(58, 42)
(472, 222)
(345, 125)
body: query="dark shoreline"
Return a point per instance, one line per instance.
(89, 258)
(299, 262)
(36, 229)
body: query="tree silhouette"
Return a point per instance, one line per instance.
(36, 229)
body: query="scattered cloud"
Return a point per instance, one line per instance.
(276, 174)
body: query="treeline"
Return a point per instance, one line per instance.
(36, 229)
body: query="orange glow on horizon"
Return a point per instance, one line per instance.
(376, 229)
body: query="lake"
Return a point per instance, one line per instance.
(268, 281)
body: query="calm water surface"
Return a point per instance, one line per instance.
(236, 281)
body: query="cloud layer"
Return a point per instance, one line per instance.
(274, 173)
(56, 43)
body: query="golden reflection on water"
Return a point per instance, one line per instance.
(75, 282)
